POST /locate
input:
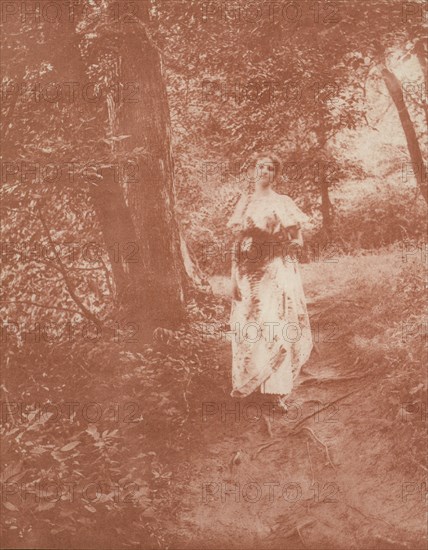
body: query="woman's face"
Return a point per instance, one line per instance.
(264, 172)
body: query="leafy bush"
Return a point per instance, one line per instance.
(383, 217)
(206, 231)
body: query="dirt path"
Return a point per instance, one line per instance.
(324, 475)
(173, 462)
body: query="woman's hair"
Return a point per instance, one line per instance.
(277, 165)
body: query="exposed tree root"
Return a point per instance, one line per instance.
(326, 407)
(321, 443)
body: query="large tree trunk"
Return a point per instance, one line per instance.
(136, 213)
(394, 88)
(119, 236)
(143, 116)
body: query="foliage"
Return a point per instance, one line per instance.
(62, 345)
(380, 218)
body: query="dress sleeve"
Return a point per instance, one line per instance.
(290, 214)
(236, 219)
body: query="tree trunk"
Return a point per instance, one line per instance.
(118, 233)
(421, 54)
(325, 204)
(143, 116)
(322, 169)
(136, 213)
(394, 88)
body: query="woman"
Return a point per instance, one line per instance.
(269, 320)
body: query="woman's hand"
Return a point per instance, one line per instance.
(295, 244)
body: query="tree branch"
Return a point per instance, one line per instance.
(88, 314)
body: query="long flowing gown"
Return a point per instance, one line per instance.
(271, 335)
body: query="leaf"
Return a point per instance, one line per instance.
(115, 138)
(70, 446)
(90, 508)
(149, 513)
(417, 388)
(11, 471)
(92, 430)
(42, 420)
(46, 506)
(10, 506)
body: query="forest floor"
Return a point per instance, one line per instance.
(327, 474)
(174, 462)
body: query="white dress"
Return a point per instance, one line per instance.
(271, 336)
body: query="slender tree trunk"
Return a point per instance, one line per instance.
(325, 203)
(394, 88)
(326, 207)
(421, 54)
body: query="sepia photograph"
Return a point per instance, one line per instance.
(214, 274)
